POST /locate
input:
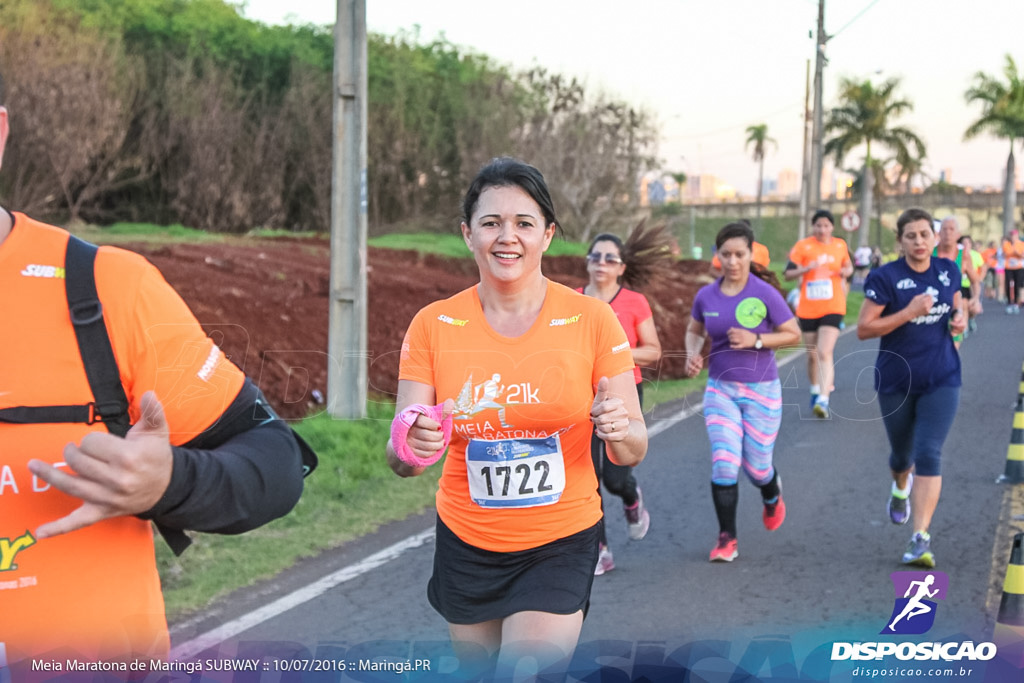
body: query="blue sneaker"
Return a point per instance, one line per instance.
(899, 508)
(820, 407)
(919, 550)
(814, 399)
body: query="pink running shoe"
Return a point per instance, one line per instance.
(726, 550)
(605, 561)
(774, 514)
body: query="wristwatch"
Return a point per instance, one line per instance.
(758, 344)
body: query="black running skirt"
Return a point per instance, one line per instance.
(471, 585)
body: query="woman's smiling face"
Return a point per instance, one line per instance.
(507, 235)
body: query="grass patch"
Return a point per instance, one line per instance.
(119, 233)
(352, 493)
(427, 243)
(145, 232)
(453, 246)
(661, 391)
(272, 233)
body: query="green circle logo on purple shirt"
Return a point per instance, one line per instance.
(750, 312)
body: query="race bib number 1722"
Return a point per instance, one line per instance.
(515, 473)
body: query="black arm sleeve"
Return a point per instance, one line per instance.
(242, 472)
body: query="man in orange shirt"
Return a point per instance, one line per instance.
(989, 255)
(78, 578)
(822, 262)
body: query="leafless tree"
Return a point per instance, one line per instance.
(73, 96)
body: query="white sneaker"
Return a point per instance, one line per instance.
(605, 561)
(637, 517)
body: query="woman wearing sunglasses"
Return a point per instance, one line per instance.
(613, 266)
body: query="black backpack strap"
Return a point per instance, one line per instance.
(28, 415)
(110, 405)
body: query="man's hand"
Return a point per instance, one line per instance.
(112, 476)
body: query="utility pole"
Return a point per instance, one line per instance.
(816, 134)
(805, 174)
(346, 335)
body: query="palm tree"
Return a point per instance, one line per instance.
(758, 136)
(1003, 116)
(680, 179)
(864, 116)
(910, 168)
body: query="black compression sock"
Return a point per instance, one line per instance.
(770, 491)
(726, 498)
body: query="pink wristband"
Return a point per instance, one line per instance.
(400, 430)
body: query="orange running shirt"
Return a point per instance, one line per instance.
(508, 389)
(821, 288)
(93, 594)
(1014, 254)
(759, 254)
(989, 255)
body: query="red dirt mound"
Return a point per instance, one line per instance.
(266, 305)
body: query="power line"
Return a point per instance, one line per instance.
(735, 126)
(858, 16)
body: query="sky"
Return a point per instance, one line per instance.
(709, 69)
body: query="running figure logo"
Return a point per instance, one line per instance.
(914, 612)
(474, 398)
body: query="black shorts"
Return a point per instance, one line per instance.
(965, 292)
(812, 324)
(471, 585)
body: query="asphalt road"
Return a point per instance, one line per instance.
(823, 577)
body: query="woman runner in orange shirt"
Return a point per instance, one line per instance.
(526, 369)
(822, 262)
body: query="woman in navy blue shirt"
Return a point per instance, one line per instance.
(913, 304)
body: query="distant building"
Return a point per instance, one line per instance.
(842, 185)
(705, 187)
(788, 185)
(769, 186)
(674, 191)
(835, 183)
(656, 194)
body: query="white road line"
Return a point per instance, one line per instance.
(243, 623)
(673, 420)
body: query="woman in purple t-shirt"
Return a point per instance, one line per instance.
(746, 318)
